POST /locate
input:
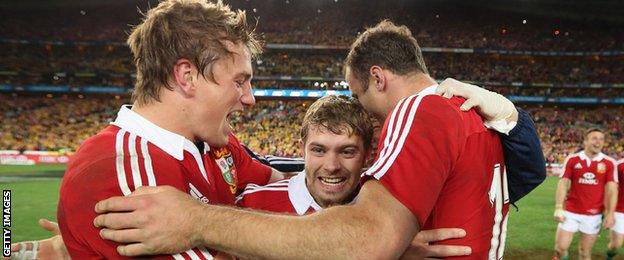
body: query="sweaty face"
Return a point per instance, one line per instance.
(333, 164)
(216, 101)
(594, 141)
(365, 97)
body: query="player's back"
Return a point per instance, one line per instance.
(474, 196)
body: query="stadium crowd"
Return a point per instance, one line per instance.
(47, 45)
(336, 23)
(269, 127)
(108, 65)
(52, 123)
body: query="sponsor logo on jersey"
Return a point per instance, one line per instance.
(578, 166)
(601, 167)
(226, 164)
(588, 178)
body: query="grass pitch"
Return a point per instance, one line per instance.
(531, 229)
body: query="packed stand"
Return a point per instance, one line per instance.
(52, 123)
(270, 127)
(334, 23)
(109, 65)
(561, 129)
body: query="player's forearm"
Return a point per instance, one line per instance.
(562, 190)
(611, 195)
(330, 234)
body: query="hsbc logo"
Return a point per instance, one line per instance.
(588, 178)
(589, 175)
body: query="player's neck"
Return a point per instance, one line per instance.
(590, 154)
(412, 84)
(403, 86)
(165, 116)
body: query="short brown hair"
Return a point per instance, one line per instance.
(388, 46)
(340, 115)
(193, 29)
(593, 129)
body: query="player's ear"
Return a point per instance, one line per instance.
(184, 75)
(302, 147)
(377, 78)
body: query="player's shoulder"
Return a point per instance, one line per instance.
(610, 160)
(426, 104)
(99, 144)
(113, 150)
(433, 101)
(573, 157)
(264, 197)
(94, 150)
(446, 111)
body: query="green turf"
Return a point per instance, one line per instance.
(31, 169)
(530, 235)
(31, 200)
(531, 229)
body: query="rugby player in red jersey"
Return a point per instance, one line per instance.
(437, 166)
(336, 136)
(616, 238)
(589, 188)
(193, 61)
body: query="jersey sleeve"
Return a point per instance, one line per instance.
(568, 167)
(524, 158)
(249, 170)
(101, 180)
(420, 146)
(283, 164)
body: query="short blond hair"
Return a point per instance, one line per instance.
(193, 29)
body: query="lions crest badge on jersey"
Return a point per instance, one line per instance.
(224, 160)
(601, 167)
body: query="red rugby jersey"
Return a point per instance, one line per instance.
(588, 179)
(134, 152)
(620, 172)
(289, 196)
(447, 169)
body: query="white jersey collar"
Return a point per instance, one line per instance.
(172, 143)
(596, 158)
(300, 196)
